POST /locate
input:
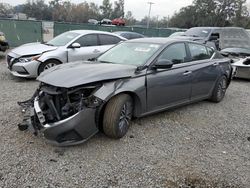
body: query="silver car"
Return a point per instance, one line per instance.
(31, 59)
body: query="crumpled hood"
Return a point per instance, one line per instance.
(32, 49)
(79, 73)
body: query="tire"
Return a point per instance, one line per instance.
(219, 90)
(117, 116)
(46, 65)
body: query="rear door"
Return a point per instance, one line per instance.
(169, 87)
(88, 50)
(205, 70)
(107, 42)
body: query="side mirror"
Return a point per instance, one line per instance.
(76, 45)
(163, 64)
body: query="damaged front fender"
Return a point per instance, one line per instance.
(134, 87)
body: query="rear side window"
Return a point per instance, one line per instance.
(125, 35)
(134, 36)
(175, 53)
(88, 40)
(198, 52)
(108, 39)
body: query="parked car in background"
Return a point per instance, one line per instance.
(93, 21)
(242, 68)
(240, 61)
(134, 79)
(31, 59)
(106, 22)
(218, 37)
(4, 45)
(175, 34)
(118, 22)
(129, 35)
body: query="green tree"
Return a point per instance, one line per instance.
(37, 9)
(129, 18)
(212, 13)
(5, 9)
(106, 8)
(118, 11)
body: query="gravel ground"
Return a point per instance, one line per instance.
(200, 145)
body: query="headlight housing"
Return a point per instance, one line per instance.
(30, 58)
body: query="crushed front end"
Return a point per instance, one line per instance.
(66, 116)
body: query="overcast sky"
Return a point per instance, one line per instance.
(139, 8)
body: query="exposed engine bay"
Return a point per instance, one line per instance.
(52, 105)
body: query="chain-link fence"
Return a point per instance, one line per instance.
(151, 32)
(20, 32)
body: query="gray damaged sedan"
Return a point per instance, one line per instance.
(135, 78)
(30, 60)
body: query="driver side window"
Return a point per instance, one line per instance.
(88, 40)
(175, 53)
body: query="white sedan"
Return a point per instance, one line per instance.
(31, 59)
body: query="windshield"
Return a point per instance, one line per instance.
(129, 53)
(63, 39)
(197, 32)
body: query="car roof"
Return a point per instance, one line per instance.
(85, 32)
(218, 27)
(206, 27)
(127, 32)
(158, 40)
(90, 31)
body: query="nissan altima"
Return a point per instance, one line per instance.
(31, 59)
(135, 78)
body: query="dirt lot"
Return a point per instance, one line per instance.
(200, 145)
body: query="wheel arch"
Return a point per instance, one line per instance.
(136, 101)
(136, 111)
(52, 59)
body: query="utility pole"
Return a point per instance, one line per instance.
(150, 4)
(157, 23)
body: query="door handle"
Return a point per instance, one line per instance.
(216, 64)
(186, 73)
(96, 51)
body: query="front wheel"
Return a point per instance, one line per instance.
(117, 116)
(46, 65)
(219, 90)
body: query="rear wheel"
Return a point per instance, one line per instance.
(117, 116)
(46, 65)
(219, 90)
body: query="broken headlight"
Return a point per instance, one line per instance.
(30, 58)
(60, 103)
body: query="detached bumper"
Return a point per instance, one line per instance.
(71, 131)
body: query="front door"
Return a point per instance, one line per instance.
(89, 48)
(170, 87)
